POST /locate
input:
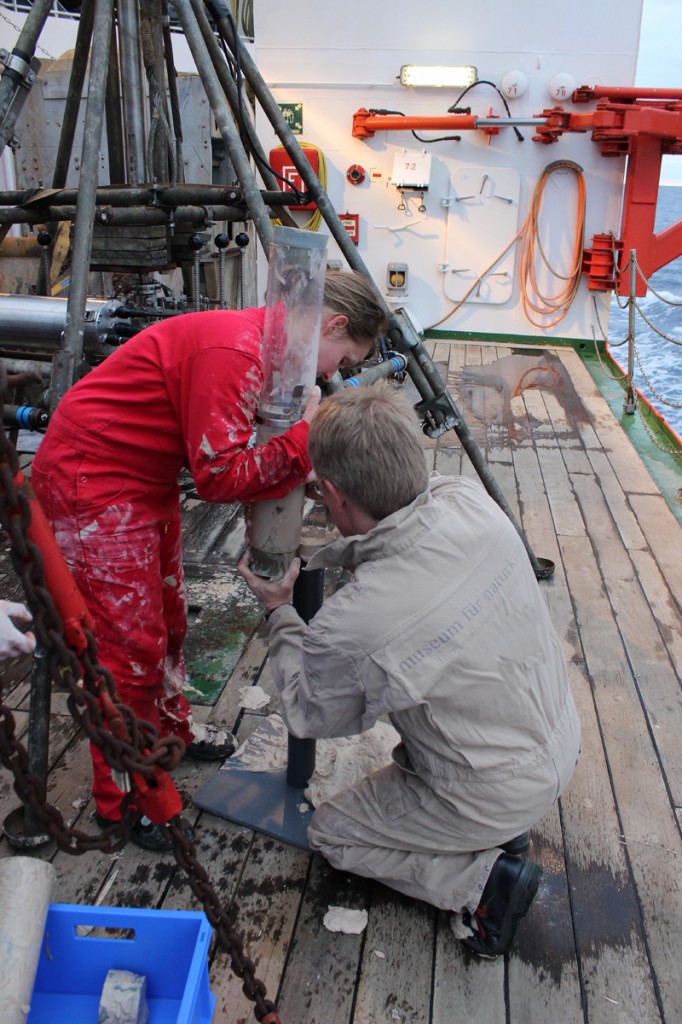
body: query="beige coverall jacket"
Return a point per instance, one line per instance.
(445, 630)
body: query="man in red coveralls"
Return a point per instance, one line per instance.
(182, 393)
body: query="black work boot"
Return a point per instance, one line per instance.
(518, 846)
(210, 743)
(145, 834)
(506, 898)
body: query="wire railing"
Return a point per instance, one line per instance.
(635, 356)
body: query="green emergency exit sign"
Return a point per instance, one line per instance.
(293, 115)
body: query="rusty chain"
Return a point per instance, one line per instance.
(136, 750)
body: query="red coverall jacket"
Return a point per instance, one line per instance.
(182, 393)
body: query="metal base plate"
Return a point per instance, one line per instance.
(263, 801)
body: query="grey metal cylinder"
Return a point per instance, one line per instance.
(36, 323)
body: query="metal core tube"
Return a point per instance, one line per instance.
(297, 262)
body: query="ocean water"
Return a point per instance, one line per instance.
(660, 376)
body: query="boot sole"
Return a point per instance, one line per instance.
(522, 895)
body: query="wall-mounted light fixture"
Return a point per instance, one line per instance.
(438, 75)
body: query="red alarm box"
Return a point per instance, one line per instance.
(351, 222)
(281, 163)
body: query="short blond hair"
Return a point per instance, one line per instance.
(367, 441)
(350, 293)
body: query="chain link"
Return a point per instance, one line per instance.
(666, 337)
(136, 750)
(625, 377)
(652, 389)
(661, 298)
(18, 32)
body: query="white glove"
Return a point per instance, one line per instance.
(12, 640)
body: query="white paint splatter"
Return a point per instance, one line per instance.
(253, 698)
(341, 919)
(206, 448)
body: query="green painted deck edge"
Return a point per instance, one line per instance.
(665, 468)
(580, 345)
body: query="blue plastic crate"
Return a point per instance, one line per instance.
(169, 947)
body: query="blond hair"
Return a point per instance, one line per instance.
(348, 292)
(367, 441)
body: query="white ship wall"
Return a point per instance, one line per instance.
(335, 60)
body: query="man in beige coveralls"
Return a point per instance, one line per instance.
(443, 629)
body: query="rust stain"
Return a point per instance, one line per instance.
(487, 391)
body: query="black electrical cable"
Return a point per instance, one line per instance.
(484, 81)
(441, 138)
(245, 126)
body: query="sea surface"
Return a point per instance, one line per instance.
(661, 360)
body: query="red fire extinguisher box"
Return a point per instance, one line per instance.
(282, 164)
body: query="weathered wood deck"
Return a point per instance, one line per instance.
(603, 938)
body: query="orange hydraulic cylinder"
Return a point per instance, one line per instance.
(365, 124)
(585, 93)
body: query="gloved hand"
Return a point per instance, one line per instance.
(12, 640)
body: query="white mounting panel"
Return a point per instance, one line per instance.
(483, 215)
(411, 170)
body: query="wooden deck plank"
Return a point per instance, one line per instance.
(268, 896)
(605, 432)
(611, 960)
(656, 682)
(567, 520)
(322, 972)
(662, 532)
(662, 604)
(466, 988)
(611, 944)
(619, 505)
(641, 797)
(543, 979)
(397, 986)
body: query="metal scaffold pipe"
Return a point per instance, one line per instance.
(73, 97)
(66, 360)
(113, 115)
(240, 110)
(133, 93)
(225, 122)
(290, 143)
(21, 56)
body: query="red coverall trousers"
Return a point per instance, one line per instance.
(122, 545)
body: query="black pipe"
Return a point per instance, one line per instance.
(114, 120)
(239, 110)
(172, 78)
(38, 731)
(71, 354)
(307, 600)
(225, 122)
(201, 216)
(21, 200)
(74, 94)
(26, 417)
